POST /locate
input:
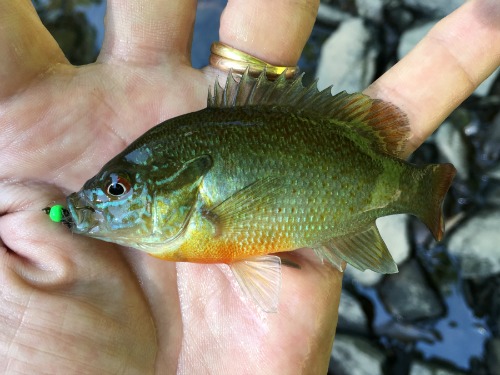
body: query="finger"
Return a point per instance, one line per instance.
(27, 49)
(444, 68)
(148, 31)
(274, 31)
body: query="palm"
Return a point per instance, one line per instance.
(75, 305)
(77, 119)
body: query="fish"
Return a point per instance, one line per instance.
(266, 167)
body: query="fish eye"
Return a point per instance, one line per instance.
(117, 186)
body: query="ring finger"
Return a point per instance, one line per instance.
(274, 31)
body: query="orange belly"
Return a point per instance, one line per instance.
(228, 250)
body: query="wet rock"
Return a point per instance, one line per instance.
(75, 35)
(409, 296)
(493, 356)
(348, 58)
(366, 278)
(355, 356)
(452, 143)
(394, 231)
(406, 332)
(475, 243)
(348, 6)
(411, 37)
(494, 172)
(433, 8)
(331, 15)
(492, 194)
(422, 368)
(489, 154)
(370, 9)
(400, 17)
(483, 296)
(352, 318)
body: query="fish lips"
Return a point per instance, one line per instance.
(84, 218)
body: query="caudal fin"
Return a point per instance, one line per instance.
(433, 188)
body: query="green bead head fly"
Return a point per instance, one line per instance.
(59, 214)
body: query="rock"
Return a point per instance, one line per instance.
(355, 356)
(483, 297)
(394, 231)
(348, 58)
(492, 194)
(406, 332)
(494, 172)
(352, 318)
(400, 17)
(347, 6)
(493, 356)
(331, 15)
(475, 243)
(409, 296)
(422, 368)
(370, 9)
(433, 8)
(489, 155)
(75, 35)
(366, 278)
(451, 142)
(411, 37)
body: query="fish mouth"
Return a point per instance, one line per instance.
(83, 217)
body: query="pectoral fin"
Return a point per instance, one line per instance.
(254, 203)
(363, 250)
(260, 278)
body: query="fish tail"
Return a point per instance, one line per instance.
(434, 184)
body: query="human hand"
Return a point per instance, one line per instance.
(73, 304)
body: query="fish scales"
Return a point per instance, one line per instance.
(267, 167)
(320, 198)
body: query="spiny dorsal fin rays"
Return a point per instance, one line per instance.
(379, 122)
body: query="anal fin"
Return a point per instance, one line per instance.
(325, 253)
(260, 278)
(363, 250)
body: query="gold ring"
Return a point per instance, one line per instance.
(227, 58)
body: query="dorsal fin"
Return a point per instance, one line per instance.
(384, 125)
